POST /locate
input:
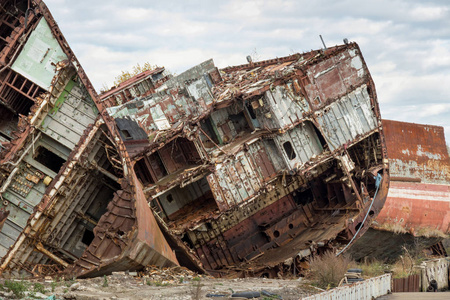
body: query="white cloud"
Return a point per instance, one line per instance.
(430, 13)
(405, 43)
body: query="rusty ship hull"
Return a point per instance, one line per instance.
(251, 169)
(246, 170)
(416, 214)
(67, 198)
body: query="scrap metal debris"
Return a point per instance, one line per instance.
(241, 171)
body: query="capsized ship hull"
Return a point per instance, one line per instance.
(247, 169)
(255, 167)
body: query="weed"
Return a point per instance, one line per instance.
(372, 268)
(196, 290)
(53, 285)
(66, 290)
(196, 278)
(39, 288)
(157, 283)
(68, 283)
(181, 279)
(17, 287)
(328, 269)
(105, 281)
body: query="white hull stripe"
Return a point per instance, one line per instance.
(419, 194)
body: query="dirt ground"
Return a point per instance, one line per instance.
(125, 286)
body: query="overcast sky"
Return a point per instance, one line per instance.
(406, 43)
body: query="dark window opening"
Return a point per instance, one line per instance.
(150, 169)
(187, 241)
(18, 93)
(240, 123)
(142, 172)
(169, 198)
(190, 152)
(303, 197)
(49, 159)
(195, 199)
(289, 150)
(8, 123)
(16, 101)
(157, 168)
(208, 128)
(319, 136)
(88, 237)
(126, 134)
(7, 25)
(251, 111)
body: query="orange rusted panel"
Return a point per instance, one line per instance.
(419, 195)
(417, 151)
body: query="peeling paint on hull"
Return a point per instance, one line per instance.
(418, 204)
(241, 171)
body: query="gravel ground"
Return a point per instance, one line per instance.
(125, 286)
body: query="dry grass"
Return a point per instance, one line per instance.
(425, 232)
(430, 232)
(405, 265)
(328, 269)
(372, 268)
(395, 228)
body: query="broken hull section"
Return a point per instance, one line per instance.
(68, 201)
(416, 213)
(257, 165)
(247, 169)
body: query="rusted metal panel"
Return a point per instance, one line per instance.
(303, 141)
(417, 151)
(217, 192)
(419, 203)
(419, 208)
(143, 84)
(408, 284)
(330, 78)
(37, 60)
(241, 179)
(286, 107)
(261, 161)
(162, 111)
(348, 118)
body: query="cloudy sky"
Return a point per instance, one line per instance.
(406, 43)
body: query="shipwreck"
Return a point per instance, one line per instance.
(416, 214)
(242, 171)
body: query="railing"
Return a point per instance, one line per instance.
(363, 290)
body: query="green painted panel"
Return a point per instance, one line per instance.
(62, 97)
(40, 54)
